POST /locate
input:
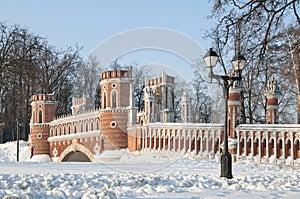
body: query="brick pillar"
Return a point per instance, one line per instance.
(234, 104)
(271, 93)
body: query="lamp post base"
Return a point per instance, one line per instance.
(226, 166)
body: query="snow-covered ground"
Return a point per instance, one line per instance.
(140, 176)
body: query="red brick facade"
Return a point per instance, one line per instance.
(43, 112)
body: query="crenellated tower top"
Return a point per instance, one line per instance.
(116, 74)
(272, 87)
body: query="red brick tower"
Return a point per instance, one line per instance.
(271, 93)
(43, 111)
(116, 96)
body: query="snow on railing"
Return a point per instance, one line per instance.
(269, 143)
(202, 140)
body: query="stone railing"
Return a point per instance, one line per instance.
(270, 143)
(202, 140)
(87, 122)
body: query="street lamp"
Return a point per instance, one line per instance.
(238, 62)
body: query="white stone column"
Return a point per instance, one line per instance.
(207, 141)
(150, 138)
(238, 144)
(159, 140)
(245, 144)
(184, 141)
(213, 143)
(292, 147)
(164, 134)
(195, 143)
(179, 141)
(259, 146)
(252, 144)
(201, 142)
(154, 137)
(283, 146)
(275, 146)
(267, 146)
(190, 140)
(169, 140)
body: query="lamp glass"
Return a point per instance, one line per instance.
(238, 62)
(211, 58)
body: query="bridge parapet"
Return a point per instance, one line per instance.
(269, 143)
(202, 140)
(75, 124)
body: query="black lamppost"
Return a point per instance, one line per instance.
(238, 62)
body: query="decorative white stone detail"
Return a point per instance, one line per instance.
(55, 152)
(113, 124)
(97, 149)
(39, 136)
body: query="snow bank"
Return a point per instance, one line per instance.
(156, 185)
(137, 175)
(8, 151)
(40, 158)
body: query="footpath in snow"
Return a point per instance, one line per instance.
(140, 176)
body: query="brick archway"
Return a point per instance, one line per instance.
(76, 148)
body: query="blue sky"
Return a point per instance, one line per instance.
(89, 23)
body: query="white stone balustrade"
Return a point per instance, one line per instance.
(197, 139)
(269, 143)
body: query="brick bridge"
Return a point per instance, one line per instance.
(86, 133)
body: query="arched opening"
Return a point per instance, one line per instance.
(271, 147)
(76, 156)
(242, 147)
(40, 116)
(104, 100)
(248, 147)
(217, 146)
(288, 148)
(279, 149)
(297, 149)
(255, 147)
(263, 147)
(113, 99)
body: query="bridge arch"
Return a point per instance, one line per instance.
(78, 150)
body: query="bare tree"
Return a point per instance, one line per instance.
(254, 28)
(87, 77)
(140, 74)
(28, 64)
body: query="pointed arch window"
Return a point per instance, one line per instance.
(104, 100)
(113, 99)
(40, 116)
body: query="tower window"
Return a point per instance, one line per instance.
(104, 100)
(40, 116)
(113, 99)
(113, 85)
(113, 124)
